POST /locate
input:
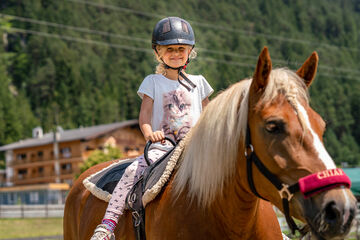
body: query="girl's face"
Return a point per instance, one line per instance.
(175, 55)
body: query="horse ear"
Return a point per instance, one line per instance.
(309, 68)
(263, 69)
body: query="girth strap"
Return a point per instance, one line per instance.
(134, 203)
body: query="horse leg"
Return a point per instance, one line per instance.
(124, 229)
(73, 211)
(95, 209)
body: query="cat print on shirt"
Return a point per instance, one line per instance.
(177, 119)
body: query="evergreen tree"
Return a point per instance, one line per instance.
(89, 73)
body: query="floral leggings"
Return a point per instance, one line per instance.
(132, 173)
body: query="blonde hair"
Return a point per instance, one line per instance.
(160, 68)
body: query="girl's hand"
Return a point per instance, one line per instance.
(156, 136)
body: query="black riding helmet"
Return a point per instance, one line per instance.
(171, 31)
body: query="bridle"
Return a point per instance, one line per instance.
(285, 191)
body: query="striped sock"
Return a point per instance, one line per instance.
(110, 224)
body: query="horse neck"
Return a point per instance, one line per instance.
(237, 209)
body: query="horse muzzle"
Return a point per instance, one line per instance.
(331, 214)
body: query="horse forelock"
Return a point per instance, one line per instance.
(287, 82)
(212, 146)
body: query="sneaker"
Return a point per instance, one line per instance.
(102, 233)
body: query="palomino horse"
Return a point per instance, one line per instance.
(209, 196)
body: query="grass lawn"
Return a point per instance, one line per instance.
(30, 227)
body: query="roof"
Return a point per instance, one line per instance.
(83, 133)
(354, 175)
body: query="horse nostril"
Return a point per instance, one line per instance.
(332, 213)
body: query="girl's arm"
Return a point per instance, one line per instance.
(205, 102)
(145, 121)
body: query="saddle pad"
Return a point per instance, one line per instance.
(101, 184)
(157, 175)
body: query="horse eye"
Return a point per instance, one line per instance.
(274, 127)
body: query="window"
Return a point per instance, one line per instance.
(66, 152)
(40, 155)
(22, 173)
(89, 148)
(11, 197)
(54, 197)
(34, 197)
(21, 156)
(41, 171)
(66, 167)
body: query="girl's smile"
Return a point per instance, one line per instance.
(176, 55)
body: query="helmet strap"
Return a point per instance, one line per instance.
(180, 73)
(186, 79)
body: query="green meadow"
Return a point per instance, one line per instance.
(30, 227)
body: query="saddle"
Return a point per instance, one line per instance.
(135, 198)
(101, 184)
(148, 186)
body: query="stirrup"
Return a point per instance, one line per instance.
(102, 233)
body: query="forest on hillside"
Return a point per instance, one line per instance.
(79, 62)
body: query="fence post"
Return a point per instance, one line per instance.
(47, 203)
(22, 210)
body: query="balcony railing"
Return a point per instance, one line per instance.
(31, 180)
(24, 163)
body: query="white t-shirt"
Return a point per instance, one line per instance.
(175, 109)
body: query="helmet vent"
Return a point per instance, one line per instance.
(166, 27)
(184, 27)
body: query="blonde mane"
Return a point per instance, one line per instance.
(212, 146)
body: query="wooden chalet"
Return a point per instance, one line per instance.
(55, 157)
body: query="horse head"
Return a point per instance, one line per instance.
(287, 137)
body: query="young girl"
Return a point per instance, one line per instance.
(171, 104)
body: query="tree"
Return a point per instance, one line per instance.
(99, 156)
(73, 83)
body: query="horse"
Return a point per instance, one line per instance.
(209, 196)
